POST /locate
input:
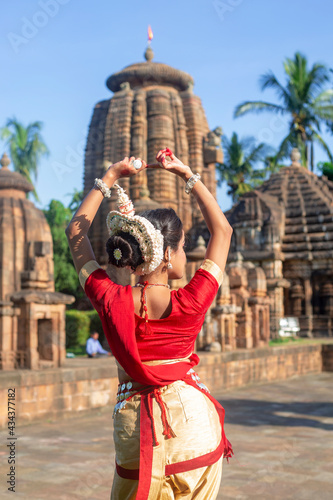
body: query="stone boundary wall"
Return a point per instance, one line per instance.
(84, 384)
(327, 353)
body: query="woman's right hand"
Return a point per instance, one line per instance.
(173, 165)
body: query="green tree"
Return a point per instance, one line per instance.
(272, 164)
(306, 103)
(238, 168)
(77, 198)
(26, 148)
(65, 276)
(326, 168)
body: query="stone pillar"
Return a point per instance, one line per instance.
(197, 131)
(182, 152)
(297, 295)
(161, 184)
(244, 337)
(8, 335)
(208, 328)
(138, 142)
(255, 325)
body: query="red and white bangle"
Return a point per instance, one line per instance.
(103, 187)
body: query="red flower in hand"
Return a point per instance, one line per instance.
(167, 152)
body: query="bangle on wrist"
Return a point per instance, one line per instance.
(100, 184)
(190, 183)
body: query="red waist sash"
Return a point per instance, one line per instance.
(148, 440)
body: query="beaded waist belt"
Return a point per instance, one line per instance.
(125, 393)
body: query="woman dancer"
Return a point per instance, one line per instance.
(168, 430)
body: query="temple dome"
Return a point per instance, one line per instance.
(12, 180)
(25, 237)
(148, 73)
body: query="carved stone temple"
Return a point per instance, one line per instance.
(153, 106)
(32, 314)
(285, 227)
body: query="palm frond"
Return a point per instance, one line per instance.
(317, 77)
(257, 107)
(285, 147)
(269, 80)
(26, 147)
(258, 153)
(318, 138)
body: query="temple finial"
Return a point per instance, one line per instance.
(295, 156)
(5, 161)
(149, 54)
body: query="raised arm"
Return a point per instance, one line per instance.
(218, 225)
(78, 228)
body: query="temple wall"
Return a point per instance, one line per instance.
(85, 385)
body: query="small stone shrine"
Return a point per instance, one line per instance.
(32, 314)
(285, 227)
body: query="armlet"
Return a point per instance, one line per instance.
(86, 271)
(214, 269)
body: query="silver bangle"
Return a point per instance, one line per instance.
(103, 187)
(190, 183)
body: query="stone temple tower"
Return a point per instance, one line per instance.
(153, 106)
(32, 313)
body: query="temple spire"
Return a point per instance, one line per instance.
(149, 54)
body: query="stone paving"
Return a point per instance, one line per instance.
(281, 434)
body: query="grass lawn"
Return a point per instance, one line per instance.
(297, 340)
(78, 351)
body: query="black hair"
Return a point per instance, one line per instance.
(164, 219)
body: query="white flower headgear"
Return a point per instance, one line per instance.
(149, 238)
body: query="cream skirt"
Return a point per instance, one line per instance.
(197, 429)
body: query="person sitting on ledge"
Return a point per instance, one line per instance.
(94, 348)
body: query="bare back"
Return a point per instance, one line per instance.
(159, 302)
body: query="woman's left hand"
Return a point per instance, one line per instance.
(124, 168)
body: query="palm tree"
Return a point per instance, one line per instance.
(272, 164)
(304, 100)
(26, 148)
(237, 169)
(76, 200)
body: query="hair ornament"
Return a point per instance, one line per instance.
(117, 253)
(149, 238)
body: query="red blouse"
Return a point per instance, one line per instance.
(132, 340)
(175, 335)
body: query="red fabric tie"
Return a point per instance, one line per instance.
(167, 429)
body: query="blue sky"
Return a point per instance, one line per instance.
(57, 54)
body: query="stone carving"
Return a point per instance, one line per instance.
(213, 147)
(214, 137)
(125, 86)
(285, 226)
(32, 314)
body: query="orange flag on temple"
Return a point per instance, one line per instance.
(150, 34)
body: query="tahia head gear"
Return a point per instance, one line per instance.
(149, 238)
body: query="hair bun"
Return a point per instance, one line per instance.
(130, 253)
